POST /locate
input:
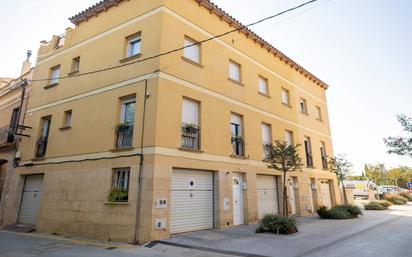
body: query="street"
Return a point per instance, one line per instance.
(376, 233)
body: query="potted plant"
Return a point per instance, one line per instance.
(191, 127)
(122, 126)
(118, 195)
(237, 139)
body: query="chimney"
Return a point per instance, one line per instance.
(26, 64)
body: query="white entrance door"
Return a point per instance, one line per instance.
(191, 200)
(30, 201)
(312, 199)
(267, 195)
(325, 191)
(237, 199)
(292, 197)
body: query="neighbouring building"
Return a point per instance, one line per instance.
(14, 94)
(199, 116)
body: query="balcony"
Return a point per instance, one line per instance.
(41, 147)
(7, 138)
(124, 135)
(190, 137)
(238, 145)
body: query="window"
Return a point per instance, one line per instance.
(234, 71)
(285, 96)
(14, 122)
(266, 139)
(67, 122)
(191, 50)
(14, 118)
(133, 45)
(318, 113)
(120, 186)
(44, 136)
(303, 106)
(76, 64)
(263, 86)
(237, 138)
(308, 152)
(289, 137)
(323, 155)
(54, 75)
(190, 124)
(125, 128)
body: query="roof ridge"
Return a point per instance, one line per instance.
(103, 5)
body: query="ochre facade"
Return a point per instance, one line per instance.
(79, 161)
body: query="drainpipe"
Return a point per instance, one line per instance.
(139, 180)
(23, 92)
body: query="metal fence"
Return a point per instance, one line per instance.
(190, 138)
(124, 136)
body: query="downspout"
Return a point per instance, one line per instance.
(139, 180)
(23, 92)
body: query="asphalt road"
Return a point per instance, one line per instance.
(377, 233)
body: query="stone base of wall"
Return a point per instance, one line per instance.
(74, 198)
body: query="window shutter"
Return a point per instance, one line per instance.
(266, 134)
(192, 52)
(234, 71)
(285, 96)
(289, 137)
(190, 112)
(263, 87)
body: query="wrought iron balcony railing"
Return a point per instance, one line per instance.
(190, 138)
(41, 147)
(124, 136)
(238, 145)
(6, 135)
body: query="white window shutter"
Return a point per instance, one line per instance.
(193, 52)
(263, 87)
(234, 71)
(289, 137)
(285, 96)
(236, 119)
(190, 112)
(266, 134)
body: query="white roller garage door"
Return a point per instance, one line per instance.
(30, 201)
(267, 195)
(191, 200)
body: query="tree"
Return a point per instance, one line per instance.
(341, 167)
(285, 158)
(400, 176)
(401, 145)
(377, 173)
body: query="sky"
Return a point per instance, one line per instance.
(361, 48)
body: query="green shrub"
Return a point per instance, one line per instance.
(375, 206)
(277, 224)
(323, 212)
(353, 210)
(406, 195)
(383, 202)
(339, 212)
(398, 200)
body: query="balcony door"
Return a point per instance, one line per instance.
(125, 128)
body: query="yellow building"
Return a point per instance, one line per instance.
(199, 116)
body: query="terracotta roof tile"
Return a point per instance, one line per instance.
(224, 16)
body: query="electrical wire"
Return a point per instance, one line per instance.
(180, 48)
